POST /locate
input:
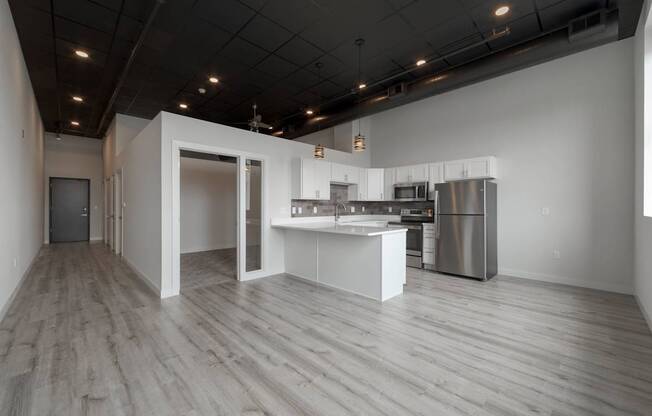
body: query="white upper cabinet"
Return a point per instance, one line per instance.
(476, 168)
(344, 173)
(435, 175)
(390, 180)
(412, 173)
(375, 184)
(311, 179)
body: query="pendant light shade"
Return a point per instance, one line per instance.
(319, 151)
(358, 143)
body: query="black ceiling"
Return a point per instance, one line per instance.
(263, 51)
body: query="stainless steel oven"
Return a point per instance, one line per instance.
(413, 220)
(415, 191)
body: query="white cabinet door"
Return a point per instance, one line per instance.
(435, 175)
(390, 180)
(403, 174)
(306, 174)
(419, 173)
(375, 184)
(322, 180)
(482, 167)
(454, 170)
(344, 173)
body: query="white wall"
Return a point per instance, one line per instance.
(141, 176)
(208, 205)
(643, 228)
(563, 134)
(76, 157)
(340, 137)
(121, 131)
(21, 164)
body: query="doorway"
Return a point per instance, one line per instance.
(69, 213)
(208, 219)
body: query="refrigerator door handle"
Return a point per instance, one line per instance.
(437, 225)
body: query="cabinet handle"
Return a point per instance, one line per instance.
(346, 178)
(381, 197)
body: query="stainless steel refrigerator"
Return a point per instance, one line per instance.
(465, 228)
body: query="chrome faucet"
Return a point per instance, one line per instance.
(337, 212)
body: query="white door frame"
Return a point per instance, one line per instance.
(241, 157)
(118, 186)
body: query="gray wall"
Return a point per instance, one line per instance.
(21, 164)
(643, 229)
(563, 135)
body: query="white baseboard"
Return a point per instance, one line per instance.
(97, 238)
(569, 281)
(5, 308)
(644, 312)
(155, 290)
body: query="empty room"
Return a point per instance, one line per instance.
(326, 207)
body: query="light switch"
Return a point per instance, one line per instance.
(352, 209)
(294, 210)
(300, 210)
(362, 209)
(314, 209)
(545, 211)
(389, 209)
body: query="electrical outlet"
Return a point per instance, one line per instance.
(362, 209)
(545, 211)
(314, 209)
(389, 209)
(352, 209)
(15, 262)
(299, 210)
(294, 210)
(556, 254)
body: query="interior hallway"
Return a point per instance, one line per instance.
(85, 336)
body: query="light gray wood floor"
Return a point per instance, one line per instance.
(84, 336)
(208, 268)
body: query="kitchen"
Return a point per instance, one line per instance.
(446, 209)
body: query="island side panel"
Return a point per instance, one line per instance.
(301, 254)
(351, 263)
(393, 265)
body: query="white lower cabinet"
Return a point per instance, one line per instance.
(311, 179)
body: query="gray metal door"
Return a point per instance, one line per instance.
(462, 197)
(460, 246)
(69, 215)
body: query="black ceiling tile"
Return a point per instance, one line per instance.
(451, 31)
(243, 52)
(173, 16)
(485, 19)
(559, 14)
(408, 52)
(276, 67)
(128, 28)
(328, 89)
(521, 29)
(67, 49)
(299, 51)
(347, 79)
(327, 34)
(260, 79)
(457, 53)
(330, 66)
(43, 5)
(302, 79)
(227, 14)
(379, 68)
(202, 39)
(158, 40)
(114, 5)
(31, 22)
(295, 15)
(424, 15)
(364, 12)
(82, 35)
(138, 10)
(265, 33)
(399, 4)
(87, 13)
(307, 98)
(254, 4)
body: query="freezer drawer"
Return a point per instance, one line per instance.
(462, 197)
(460, 246)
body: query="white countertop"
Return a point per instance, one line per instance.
(337, 228)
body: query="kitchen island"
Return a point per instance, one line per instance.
(368, 261)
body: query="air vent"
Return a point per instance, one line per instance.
(397, 90)
(587, 25)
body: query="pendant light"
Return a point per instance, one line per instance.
(359, 140)
(319, 152)
(361, 84)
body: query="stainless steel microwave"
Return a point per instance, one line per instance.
(415, 191)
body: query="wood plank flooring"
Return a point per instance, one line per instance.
(85, 337)
(208, 267)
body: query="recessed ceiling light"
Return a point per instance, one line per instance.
(184, 106)
(501, 11)
(81, 54)
(270, 128)
(202, 90)
(78, 99)
(278, 133)
(362, 85)
(309, 112)
(214, 80)
(421, 62)
(74, 123)
(58, 137)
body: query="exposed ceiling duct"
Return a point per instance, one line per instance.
(589, 32)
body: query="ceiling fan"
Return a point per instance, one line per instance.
(256, 122)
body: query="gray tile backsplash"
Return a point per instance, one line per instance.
(340, 193)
